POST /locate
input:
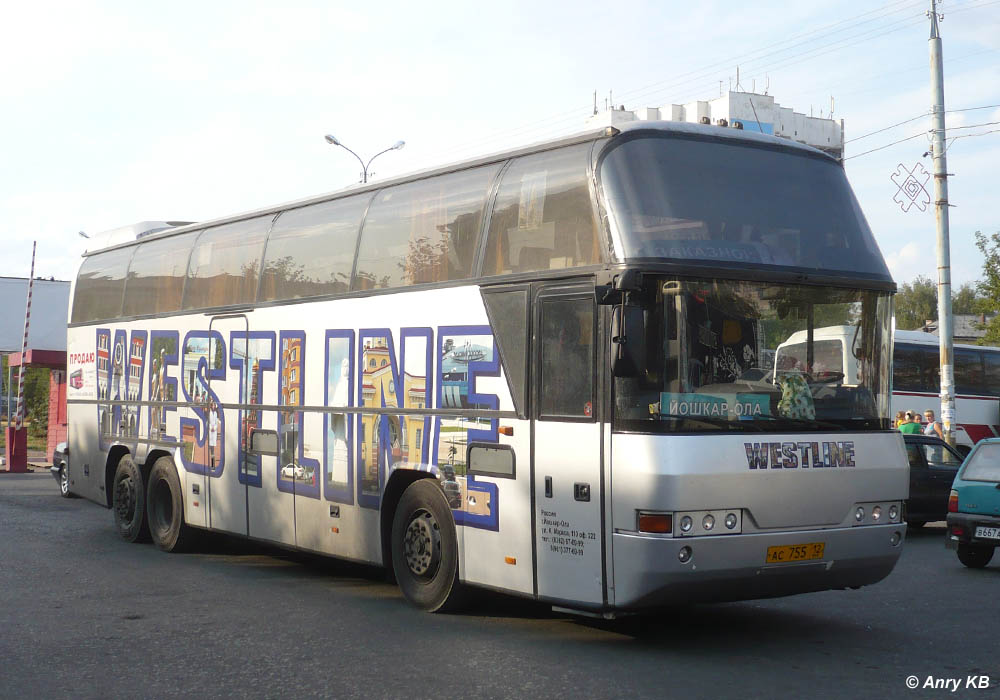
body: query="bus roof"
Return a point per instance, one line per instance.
(703, 130)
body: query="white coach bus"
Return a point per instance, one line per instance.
(916, 373)
(539, 372)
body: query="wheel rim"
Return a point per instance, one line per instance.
(422, 545)
(125, 499)
(63, 481)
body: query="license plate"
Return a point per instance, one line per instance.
(782, 554)
(989, 533)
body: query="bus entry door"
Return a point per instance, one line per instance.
(567, 447)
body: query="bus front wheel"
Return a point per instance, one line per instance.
(129, 501)
(425, 548)
(165, 504)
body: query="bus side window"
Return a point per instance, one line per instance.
(566, 381)
(543, 217)
(992, 363)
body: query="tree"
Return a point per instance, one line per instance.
(916, 302)
(968, 301)
(989, 285)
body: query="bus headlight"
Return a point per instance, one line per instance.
(876, 513)
(702, 523)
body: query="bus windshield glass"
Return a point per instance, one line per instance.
(724, 203)
(710, 359)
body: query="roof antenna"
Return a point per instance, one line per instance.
(767, 85)
(595, 102)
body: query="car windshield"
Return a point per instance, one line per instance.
(984, 464)
(722, 203)
(710, 349)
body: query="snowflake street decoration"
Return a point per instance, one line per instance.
(912, 192)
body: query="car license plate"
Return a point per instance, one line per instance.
(988, 533)
(783, 554)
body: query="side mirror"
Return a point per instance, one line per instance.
(628, 341)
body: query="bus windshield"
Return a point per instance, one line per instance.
(723, 203)
(710, 359)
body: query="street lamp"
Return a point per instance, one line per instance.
(332, 140)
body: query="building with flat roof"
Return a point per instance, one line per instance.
(740, 110)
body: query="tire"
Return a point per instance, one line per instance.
(916, 524)
(973, 556)
(128, 501)
(64, 482)
(425, 548)
(165, 507)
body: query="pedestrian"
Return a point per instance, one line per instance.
(910, 426)
(900, 419)
(933, 427)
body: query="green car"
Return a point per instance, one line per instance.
(974, 506)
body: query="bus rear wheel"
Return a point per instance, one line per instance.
(128, 501)
(425, 548)
(165, 503)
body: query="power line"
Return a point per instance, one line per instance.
(879, 131)
(966, 136)
(882, 148)
(921, 116)
(971, 126)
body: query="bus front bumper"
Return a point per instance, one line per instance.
(648, 572)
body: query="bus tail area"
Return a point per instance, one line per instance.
(776, 515)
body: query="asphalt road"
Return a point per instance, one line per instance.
(83, 614)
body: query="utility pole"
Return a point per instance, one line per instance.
(945, 322)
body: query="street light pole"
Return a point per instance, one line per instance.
(945, 321)
(332, 140)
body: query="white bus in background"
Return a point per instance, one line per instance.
(915, 375)
(540, 372)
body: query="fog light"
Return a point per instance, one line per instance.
(894, 538)
(684, 555)
(731, 520)
(876, 513)
(859, 514)
(686, 523)
(893, 513)
(708, 522)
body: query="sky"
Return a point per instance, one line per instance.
(117, 112)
